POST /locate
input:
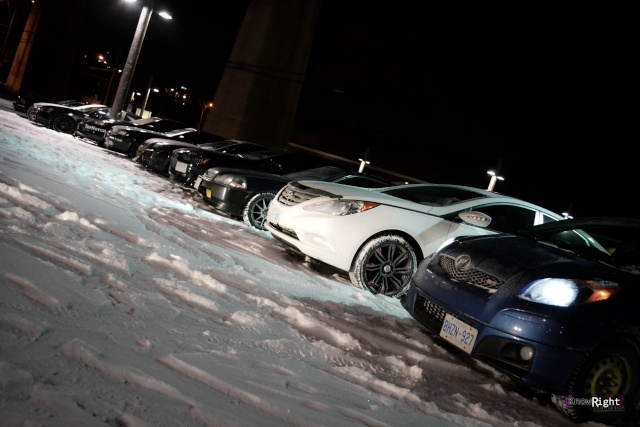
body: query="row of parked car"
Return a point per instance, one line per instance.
(549, 302)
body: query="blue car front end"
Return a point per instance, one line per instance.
(539, 345)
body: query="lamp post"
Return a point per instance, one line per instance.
(362, 163)
(364, 160)
(205, 108)
(494, 176)
(132, 58)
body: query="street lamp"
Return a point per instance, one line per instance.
(495, 176)
(362, 163)
(134, 53)
(205, 108)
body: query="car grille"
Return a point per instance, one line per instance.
(428, 313)
(293, 194)
(470, 276)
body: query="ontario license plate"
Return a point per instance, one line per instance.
(181, 167)
(458, 333)
(273, 214)
(197, 183)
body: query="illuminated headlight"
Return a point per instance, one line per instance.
(231, 181)
(566, 292)
(341, 207)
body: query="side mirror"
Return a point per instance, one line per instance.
(478, 219)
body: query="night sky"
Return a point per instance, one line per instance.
(442, 95)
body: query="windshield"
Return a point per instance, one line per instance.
(618, 245)
(316, 173)
(432, 195)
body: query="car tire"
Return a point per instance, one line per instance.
(385, 265)
(255, 211)
(30, 114)
(611, 370)
(63, 124)
(133, 149)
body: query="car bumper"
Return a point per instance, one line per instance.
(116, 144)
(497, 344)
(155, 161)
(333, 240)
(225, 199)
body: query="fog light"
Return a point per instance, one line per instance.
(526, 353)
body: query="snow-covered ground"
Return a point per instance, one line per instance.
(125, 301)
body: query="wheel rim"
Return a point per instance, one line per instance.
(388, 269)
(63, 125)
(259, 212)
(609, 377)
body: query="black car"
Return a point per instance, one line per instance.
(23, 105)
(127, 138)
(96, 124)
(155, 153)
(188, 163)
(554, 307)
(246, 194)
(61, 118)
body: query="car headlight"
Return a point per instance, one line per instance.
(210, 174)
(566, 292)
(231, 181)
(341, 207)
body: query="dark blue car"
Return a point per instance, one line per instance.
(554, 307)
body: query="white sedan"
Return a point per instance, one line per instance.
(379, 235)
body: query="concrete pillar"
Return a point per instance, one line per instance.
(258, 94)
(21, 58)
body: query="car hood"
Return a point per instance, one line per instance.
(167, 143)
(517, 253)
(247, 173)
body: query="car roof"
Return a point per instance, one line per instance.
(89, 107)
(429, 197)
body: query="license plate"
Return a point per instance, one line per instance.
(197, 183)
(273, 214)
(458, 333)
(181, 167)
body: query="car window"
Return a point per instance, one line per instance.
(508, 218)
(99, 114)
(216, 145)
(199, 138)
(620, 245)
